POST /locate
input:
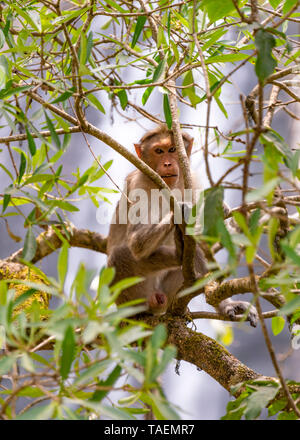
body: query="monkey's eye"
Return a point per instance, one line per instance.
(158, 151)
(172, 150)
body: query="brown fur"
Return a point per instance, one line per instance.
(149, 250)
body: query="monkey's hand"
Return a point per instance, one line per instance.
(232, 308)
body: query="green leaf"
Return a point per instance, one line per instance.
(2, 39)
(290, 306)
(265, 62)
(217, 9)
(146, 94)
(277, 406)
(64, 96)
(116, 6)
(162, 410)
(54, 135)
(107, 275)
(62, 264)
(235, 409)
(27, 363)
(138, 29)
(92, 372)
(288, 5)
(167, 111)
(63, 204)
(6, 171)
(6, 200)
(291, 253)
(188, 79)
(30, 244)
(95, 102)
(68, 352)
(169, 354)
(31, 143)
(43, 412)
(122, 95)
(287, 415)
(274, 139)
(83, 52)
(159, 71)
(39, 178)
(258, 400)
(213, 210)
(6, 364)
(278, 323)
(227, 58)
(29, 18)
(109, 382)
(274, 3)
(226, 240)
(7, 92)
(22, 166)
(263, 191)
(159, 336)
(20, 299)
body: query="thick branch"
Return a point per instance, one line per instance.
(48, 242)
(217, 292)
(207, 354)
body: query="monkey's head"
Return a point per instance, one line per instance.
(157, 149)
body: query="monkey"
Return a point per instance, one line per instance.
(145, 249)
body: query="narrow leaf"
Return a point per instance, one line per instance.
(96, 103)
(62, 264)
(167, 112)
(68, 353)
(54, 135)
(29, 245)
(109, 382)
(22, 167)
(31, 143)
(138, 29)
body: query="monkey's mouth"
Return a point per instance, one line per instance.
(169, 175)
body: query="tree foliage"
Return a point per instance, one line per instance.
(59, 59)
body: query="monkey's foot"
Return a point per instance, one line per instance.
(234, 308)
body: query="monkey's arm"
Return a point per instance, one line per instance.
(143, 240)
(164, 257)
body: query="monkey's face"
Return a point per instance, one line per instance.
(162, 158)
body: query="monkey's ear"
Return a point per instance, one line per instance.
(189, 147)
(138, 150)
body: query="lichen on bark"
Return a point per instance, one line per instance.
(18, 271)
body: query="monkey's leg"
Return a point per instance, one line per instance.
(127, 266)
(171, 282)
(232, 308)
(174, 278)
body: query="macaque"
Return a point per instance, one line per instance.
(147, 249)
